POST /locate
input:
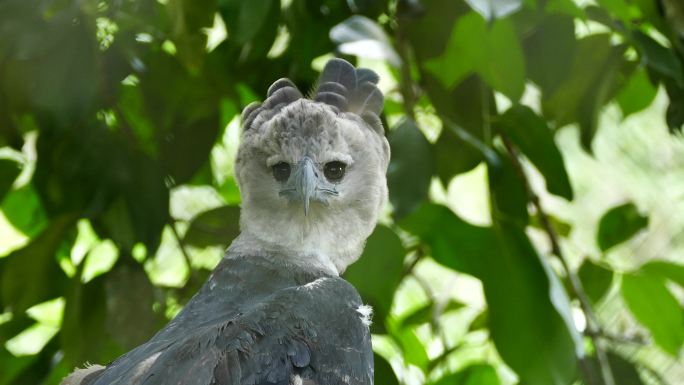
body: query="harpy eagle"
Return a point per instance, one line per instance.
(275, 311)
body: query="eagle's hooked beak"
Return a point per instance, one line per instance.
(305, 185)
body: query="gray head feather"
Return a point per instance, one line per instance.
(306, 214)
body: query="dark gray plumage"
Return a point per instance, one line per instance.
(255, 323)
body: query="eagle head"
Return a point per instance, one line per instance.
(312, 171)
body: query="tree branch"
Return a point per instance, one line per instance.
(181, 244)
(593, 326)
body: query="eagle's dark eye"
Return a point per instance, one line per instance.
(281, 171)
(334, 171)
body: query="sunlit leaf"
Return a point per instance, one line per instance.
(637, 94)
(656, 308)
(668, 270)
(619, 224)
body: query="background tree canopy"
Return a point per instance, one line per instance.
(537, 198)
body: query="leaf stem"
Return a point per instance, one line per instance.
(181, 244)
(593, 325)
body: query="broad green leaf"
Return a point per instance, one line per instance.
(664, 269)
(534, 138)
(595, 279)
(383, 257)
(504, 69)
(660, 59)
(675, 111)
(637, 94)
(244, 19)
(9, 171)
(618, 225)
(510, 199)
(529, 313)
(490, 9)
(592, 81)
(423, 314)
(453, 156)
(519, 289)
(621, 9)
(413, 350)
(624, 371)
(656, 308)
(363, 37)
(410, 169)
(465, 53)
(215, 227)
(384, 374)
(476, 374)
(549, 51)
(453, 242)
(494, 53)
(23, 208)
(31, 275)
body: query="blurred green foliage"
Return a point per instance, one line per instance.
(119, 121)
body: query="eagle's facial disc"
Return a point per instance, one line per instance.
(306, 184)
(312, 182)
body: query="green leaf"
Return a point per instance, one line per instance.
(592, 81)
(414, 352)
(495, 54)
(624, 371)
(534, 138)
(549, 51)
(215, 227)
(637, 94)
(490, 9)
(595, 279)
(384, 374)
(662, 60)
(31, 275)
(410, 169)
(476, 374)
(363, 37)
(244, 19)
(22, 207)
(383, 257)
(664, 269)
(675, 110)
(9, 171)
(618, 225)
(453, 156)
(423, 314)
(465, 52)
(509, 194)
(445, 233)
(505, 66)
(519, 288)
(656, 308)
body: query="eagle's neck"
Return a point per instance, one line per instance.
(308, 255)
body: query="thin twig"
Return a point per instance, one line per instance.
(181, 244)
(593, 326)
